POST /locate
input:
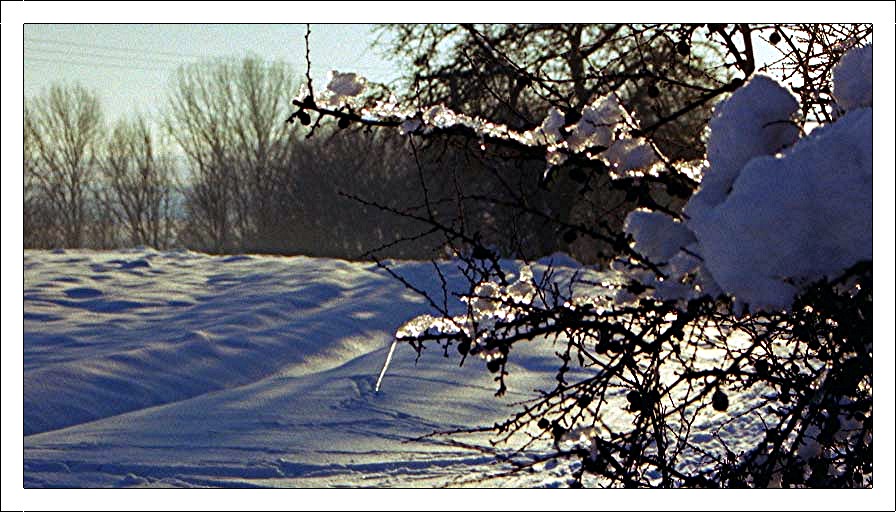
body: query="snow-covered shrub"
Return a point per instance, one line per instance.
(729, 343)
(775, 213)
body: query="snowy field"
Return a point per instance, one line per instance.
(178, 369)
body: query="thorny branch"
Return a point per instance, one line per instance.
(804, 375)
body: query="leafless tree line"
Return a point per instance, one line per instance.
(86, 185)
(218, 171)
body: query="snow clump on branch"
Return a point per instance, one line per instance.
(774, 212)
(852, 79)
(603, 130)
(342, 86)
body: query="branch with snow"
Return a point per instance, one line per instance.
(604, 135)
(775, 212)
(779, 228)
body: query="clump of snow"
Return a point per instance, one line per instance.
(345, 85)
(489, 303)
(440, 117)
(756, 120)
(853, 79)
(523, 290)
(769, 219)
(597, 125)
(389, 108)
(794, 219)
(554, 158)
(410, 126)
(602, 132)
(551, 125)
(630, 154)
(657, 236)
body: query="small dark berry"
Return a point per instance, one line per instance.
(583, 401)
(653, 91)
(543, 423)
(775, 38)
(719, 401)
(683, 48)
(344, 122)
(494, 365)
(304, 118)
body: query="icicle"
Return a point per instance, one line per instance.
(379, 380)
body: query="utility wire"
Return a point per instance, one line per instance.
(142, 51)
(101, 56)
(94, 64)
(113, 48)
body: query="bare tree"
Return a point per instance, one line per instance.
(512, 73)
(138, 184)
(262, 142)
(63, 128)
(38, 221)
(225, 116)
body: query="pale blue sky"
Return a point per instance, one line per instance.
(130, 66)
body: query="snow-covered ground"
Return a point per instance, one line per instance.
(146, 368)
(180, 369)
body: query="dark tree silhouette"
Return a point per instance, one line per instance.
(685, 372)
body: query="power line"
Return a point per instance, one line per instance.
(103, 60)
(95, 64)
(78, 53)
(143, 51)
(113, 48)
